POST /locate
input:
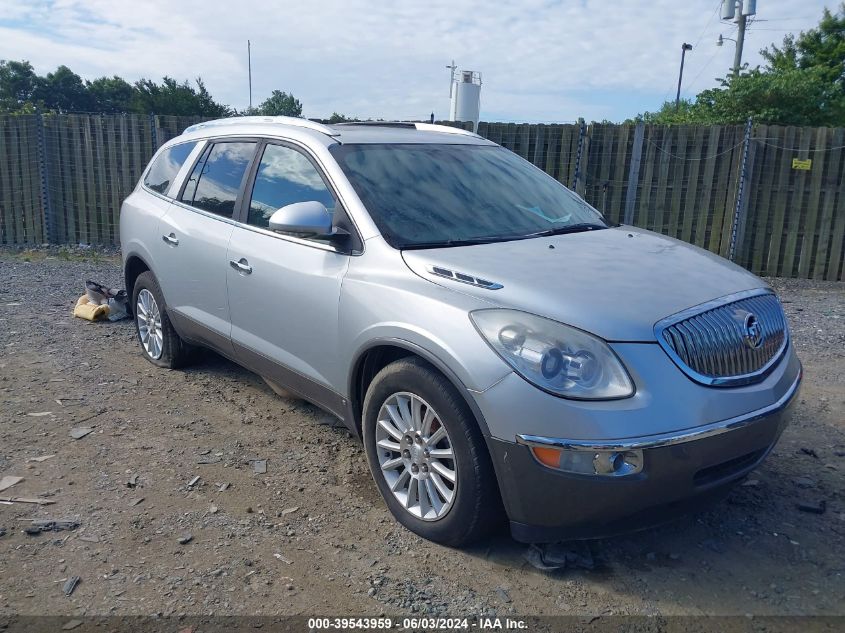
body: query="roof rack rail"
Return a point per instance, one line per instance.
(278, 120)
(422, 127)
(403, 124)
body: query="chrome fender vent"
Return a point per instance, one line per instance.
(463, 278)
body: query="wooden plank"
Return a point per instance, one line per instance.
(828, 205)
(660, 192)
(653, 137)
(66, 134)
(17, 183)
(733, 148)
(620, 164)
(87, 168)
(727, 175)
(795, 216)
(690, 205)
(30, 182)
(549, 164)
(784, 168)
(836, 259)
(80, 204)
(114, 170)
(634, 174)
(760, 208)
(5, 187)
(678, 181)
(704, 215)
(808, 241)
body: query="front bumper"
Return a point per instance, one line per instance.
(682, 471)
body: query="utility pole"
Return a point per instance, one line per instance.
(684, 48)
(249, 68)
(740, 40)
(740, 11)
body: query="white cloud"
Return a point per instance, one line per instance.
(541, 59)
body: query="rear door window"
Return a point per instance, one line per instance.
(214, 184)
(166, 165)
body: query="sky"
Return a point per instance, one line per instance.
(541, 60)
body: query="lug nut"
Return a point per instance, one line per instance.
(415, 469)
(425, 468)
(418, 438)
(406, 454)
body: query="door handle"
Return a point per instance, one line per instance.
(242, 266)
(170, 239)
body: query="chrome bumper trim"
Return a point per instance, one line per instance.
(667, 439)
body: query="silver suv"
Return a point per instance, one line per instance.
(499, 346)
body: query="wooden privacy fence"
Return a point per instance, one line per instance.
(770, 198)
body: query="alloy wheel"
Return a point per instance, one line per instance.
(416, 456)
(148, 317)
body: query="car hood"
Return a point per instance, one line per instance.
(616, 283)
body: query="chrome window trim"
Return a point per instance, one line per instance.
(668, 439)
(203, 143)
(718, 381)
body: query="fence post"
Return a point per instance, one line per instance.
(740, 211)
(634, 173)
(582, 130)
(46, 206)
(153, 133)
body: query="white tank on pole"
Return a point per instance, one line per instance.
(728, 9)
(466, 97)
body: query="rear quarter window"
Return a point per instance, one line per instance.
(166, 165)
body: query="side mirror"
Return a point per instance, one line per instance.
(302, 218)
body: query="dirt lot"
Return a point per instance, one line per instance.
(311, 536)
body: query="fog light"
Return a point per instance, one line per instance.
(590, 462)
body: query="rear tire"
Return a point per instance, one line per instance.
(441, 440)
(160, 343)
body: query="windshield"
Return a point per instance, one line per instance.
(428, 195)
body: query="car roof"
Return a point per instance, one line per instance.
(342, 133)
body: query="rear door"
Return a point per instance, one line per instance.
(195, 233)
(284, 291)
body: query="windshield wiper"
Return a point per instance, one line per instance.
(571, 228)
(465, 242)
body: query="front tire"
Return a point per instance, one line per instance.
(427, 455)
(159, 341)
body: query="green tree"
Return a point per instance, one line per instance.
(822, 48)
(280, 104)
(341, 118)
(172, 97)
(110, 94)
(803, 83)
(18, 81)
(63, 90)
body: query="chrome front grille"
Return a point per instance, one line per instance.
(731, 341)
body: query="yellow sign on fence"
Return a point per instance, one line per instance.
(802, 163)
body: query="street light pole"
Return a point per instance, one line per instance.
(684, 48)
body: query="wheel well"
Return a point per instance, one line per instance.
(134, 267)
(372, 362)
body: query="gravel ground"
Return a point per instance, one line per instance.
(311, 535)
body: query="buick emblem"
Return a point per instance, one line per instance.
(753, 332)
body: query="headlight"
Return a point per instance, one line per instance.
(557, 358)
